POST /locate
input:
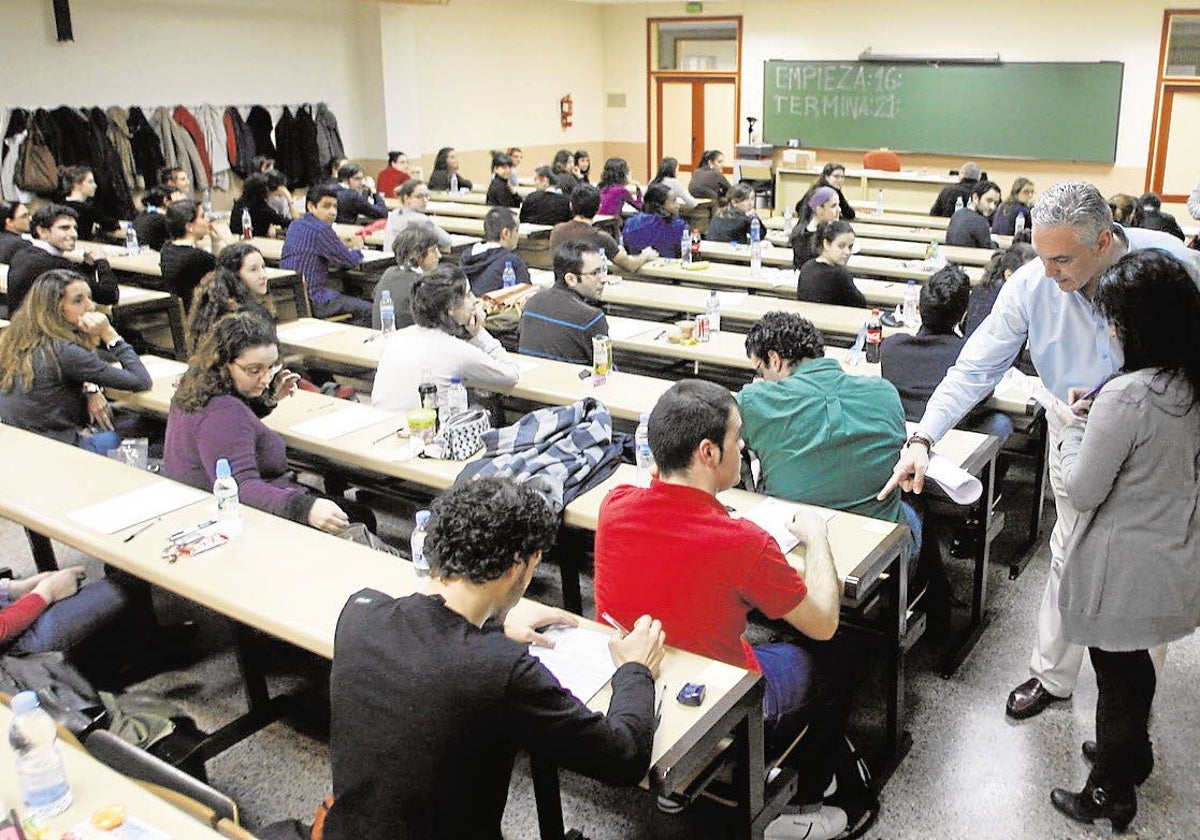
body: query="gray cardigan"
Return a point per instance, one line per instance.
(1131, 578)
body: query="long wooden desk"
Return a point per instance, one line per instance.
(868, 244)
(860, 264)
(474, 227)
(265, 579)
(458, 242)
(909, 190)
(94, 786)
(272, 251)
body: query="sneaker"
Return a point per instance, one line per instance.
(819, 822)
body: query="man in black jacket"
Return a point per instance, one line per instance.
(546, 205)
(431, 701)
(968, 176)
(484, 262)
(54, 227)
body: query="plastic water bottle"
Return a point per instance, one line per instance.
(958, 204)
(456, 397)
(756, 247)
(387, 313)
(645, 458)
(713, 310)
(911, 309)
(789, 221)
(247, 224)
(229, 507)
(419, 561)
(1019, 225)
(879, 202)
(40, 773)
(131, 240)
(206, 202)
(685, 246)
(508, 276)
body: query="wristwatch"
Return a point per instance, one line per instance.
(920, 437)
(91, 388)
(111, 345)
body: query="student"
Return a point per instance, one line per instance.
(560, 322)
(732, 222)
(1129, 467)
(51, 369)
(445, 177)
(14, 230)
(824, 279)
(55, 611)
(333, 165)
(1048, 305)
(355, 202)
(583, 166)
(500, 192)
(78, 187)
(916, 364)
(261, 163)
(585, 202)
(1000, 267)
(55, 235)
(1126, 210)
(514, 175)
(563, 168)
(239, 283)
(414, 198)
(417, 252)
(176, 179)
(833, 175)
(546, 205)
(616, 190)
(183, 261)
(311, 246)
(279, 197)
(394, 174)
(447, 338)
(427, 688)
(1153, 218)
(150, 225)
(484, 262)
(674, 551)
(707, 180)
(658, 226)
(821, 206)
(1004, 220)
(969, 227)
(211, 418)
(668, 174)
(948, 199)
(265, 218)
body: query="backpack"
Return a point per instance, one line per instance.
(857, 793)
(36, 170)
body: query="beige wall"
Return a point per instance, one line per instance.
(1020, 30)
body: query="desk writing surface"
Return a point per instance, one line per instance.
(860, 264)
(474, 227)
(272, 251)
(146, 262)
(94, 786)
(885, 240)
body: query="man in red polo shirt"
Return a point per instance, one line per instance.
(673, 550)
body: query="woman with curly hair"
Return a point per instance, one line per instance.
(239, 282)
(616, 190)
(212, 417)
(52, 369)
(658, 226)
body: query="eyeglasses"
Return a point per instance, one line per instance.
(424, 195)
(599, 272)
(256, 371)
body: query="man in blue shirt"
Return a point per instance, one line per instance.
(1048, 302)
(309, 248)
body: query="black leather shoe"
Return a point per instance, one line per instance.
(1096, 803)
(1090, 750)
(1029, 699)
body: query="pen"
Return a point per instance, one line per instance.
(153, 521)
(1092, 393)
(612, 622)
(658, 709)
(385, 437)
(321, 407)
(661, 335)
(178, 535)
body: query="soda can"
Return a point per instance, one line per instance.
(601, 355)
(701, 331)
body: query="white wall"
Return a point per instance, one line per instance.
(189, 52)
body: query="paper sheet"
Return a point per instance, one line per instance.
(120, 512)
(579, 659)
(619, 327)
(334, 424)
(135, 294)
(773, 516)
(960, 485)
(732, 298)
(1016, 383)
(160, 368)
(526, 364)
(311, 329)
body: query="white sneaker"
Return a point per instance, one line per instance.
(822, 822)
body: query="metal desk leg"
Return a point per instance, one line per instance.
(548, 797)
(981, 533)
(749, 773)
(43, 552)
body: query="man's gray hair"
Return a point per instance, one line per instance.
(970, 171)
(1075, 204)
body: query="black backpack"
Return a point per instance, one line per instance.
(856, 794)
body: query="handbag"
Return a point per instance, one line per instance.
(463, 433)
(36, 170)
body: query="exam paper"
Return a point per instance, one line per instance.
(525, 364)
(120, 512)
(619, 327)
(312, 329)
(133, 294)
(579, 660)
(349, 419)
(1014, 382)
(160, 368)
(732, 298)
(773, 516)
(960, 485)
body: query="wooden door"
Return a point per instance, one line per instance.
(693, 114)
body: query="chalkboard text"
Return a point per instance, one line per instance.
(838, 78)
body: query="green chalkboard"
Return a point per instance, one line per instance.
(1024, 110)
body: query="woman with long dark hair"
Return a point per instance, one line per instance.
(833, 175)
(1131, 467)
(820, 206)
(668, 173)
(616, 190)
(444, 176)
(708, 181)
(1020, 199)
(658, 226)
(999, 268)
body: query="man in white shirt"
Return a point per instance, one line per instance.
(1048, 302)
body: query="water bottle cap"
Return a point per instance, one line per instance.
(386, 295)
(25, 701)
(507, 264)
(223, 470)
(423, 518)
(455, 380)
(910, 282)
(645, 417)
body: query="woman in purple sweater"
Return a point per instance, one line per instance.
(616, 190)
(211, 418)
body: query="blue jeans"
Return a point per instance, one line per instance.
(991, 423)
(914, 520)
(100, 442)
(358, 309)
(66, 623)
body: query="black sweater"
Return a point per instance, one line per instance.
(428, 712)
(824, 283)
(28, 264)
(182, 268)
(500, 194)
(439, 181)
